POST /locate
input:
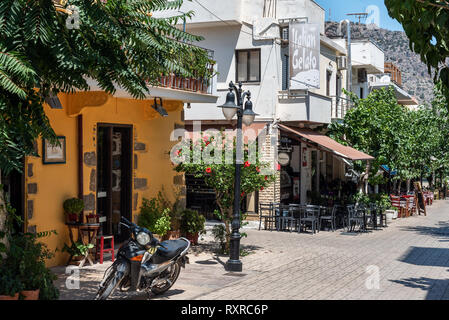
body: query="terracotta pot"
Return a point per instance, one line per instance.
(193, 238)
(15, 297)
(72, 217)
(172, 235)
(30, 294)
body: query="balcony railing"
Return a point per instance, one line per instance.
(340, 106)
(202, 84)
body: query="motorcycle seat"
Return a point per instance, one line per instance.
(172, 248)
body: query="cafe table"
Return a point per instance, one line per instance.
(87, 234)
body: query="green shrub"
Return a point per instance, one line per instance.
(154, 217)
(73, 205)
(192, 222)
(25, 261)
(10, 283)
(163, 224)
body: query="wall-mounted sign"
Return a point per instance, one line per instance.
(283, 158)
(304, 46)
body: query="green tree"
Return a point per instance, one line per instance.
(426, 23)
(220, 176)
(114, 42)
(374, 126)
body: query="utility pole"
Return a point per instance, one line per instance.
(348, 34)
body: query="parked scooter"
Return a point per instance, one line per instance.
(144, 264)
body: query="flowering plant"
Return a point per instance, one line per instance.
(219, 173)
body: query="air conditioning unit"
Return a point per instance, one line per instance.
(342, 63)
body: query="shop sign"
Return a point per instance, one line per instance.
(304, 47)
(283, 158)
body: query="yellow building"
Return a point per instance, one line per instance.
(116, 153)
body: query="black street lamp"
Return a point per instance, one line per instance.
(246, 116)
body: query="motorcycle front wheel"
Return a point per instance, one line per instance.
(112, 279)
(173, 273)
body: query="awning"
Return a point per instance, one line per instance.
(328, 144)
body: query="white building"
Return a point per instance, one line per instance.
(250, 39)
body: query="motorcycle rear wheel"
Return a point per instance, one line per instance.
(174, 271)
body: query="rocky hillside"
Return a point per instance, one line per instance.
(415, 78)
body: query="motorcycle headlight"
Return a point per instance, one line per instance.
(143, 238)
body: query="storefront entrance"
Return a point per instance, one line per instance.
(114, 174)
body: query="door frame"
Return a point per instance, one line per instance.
(23, 196)
(129, 172)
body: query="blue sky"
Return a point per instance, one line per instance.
(339, 9)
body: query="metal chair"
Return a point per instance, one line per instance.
(355, 218)
(330, 218)
(311, 215)
(291, 221)
(266, 213)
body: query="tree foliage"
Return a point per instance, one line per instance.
(219, 175)
(116, 43)
(412, 142)
(426, 23)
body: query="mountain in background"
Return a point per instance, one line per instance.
(395, 44)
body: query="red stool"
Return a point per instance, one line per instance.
(101, 250)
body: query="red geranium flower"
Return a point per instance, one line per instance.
(247, 164)
(242, 194)
(261, 188)
(208, 170)
(266, 178)
(279, 167)
(207, 143)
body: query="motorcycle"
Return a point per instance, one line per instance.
(144, 264)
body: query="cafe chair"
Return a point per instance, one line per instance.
(330, 218)
(100, 249)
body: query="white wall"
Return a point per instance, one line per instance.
(367, 54)
(224, 42)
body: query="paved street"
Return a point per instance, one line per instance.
(410, 260)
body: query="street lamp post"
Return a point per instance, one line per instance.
(246, 116)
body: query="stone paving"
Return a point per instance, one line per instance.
(407, 260)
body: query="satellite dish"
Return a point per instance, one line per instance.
(385, 79)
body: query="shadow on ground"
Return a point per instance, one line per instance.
(437, 289)
(421, 256)
(440, 231)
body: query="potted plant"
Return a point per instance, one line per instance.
(10, 285)
(162, 225)
(26, 257)
(77, 250)
(73, 208)
(192, 224)
(154, 217)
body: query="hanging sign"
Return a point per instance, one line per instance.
(304, 157)
(304, 47)
(283, 159)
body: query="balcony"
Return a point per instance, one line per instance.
(340, 106)
(366, 55)
(307, 107)
(394, 72)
